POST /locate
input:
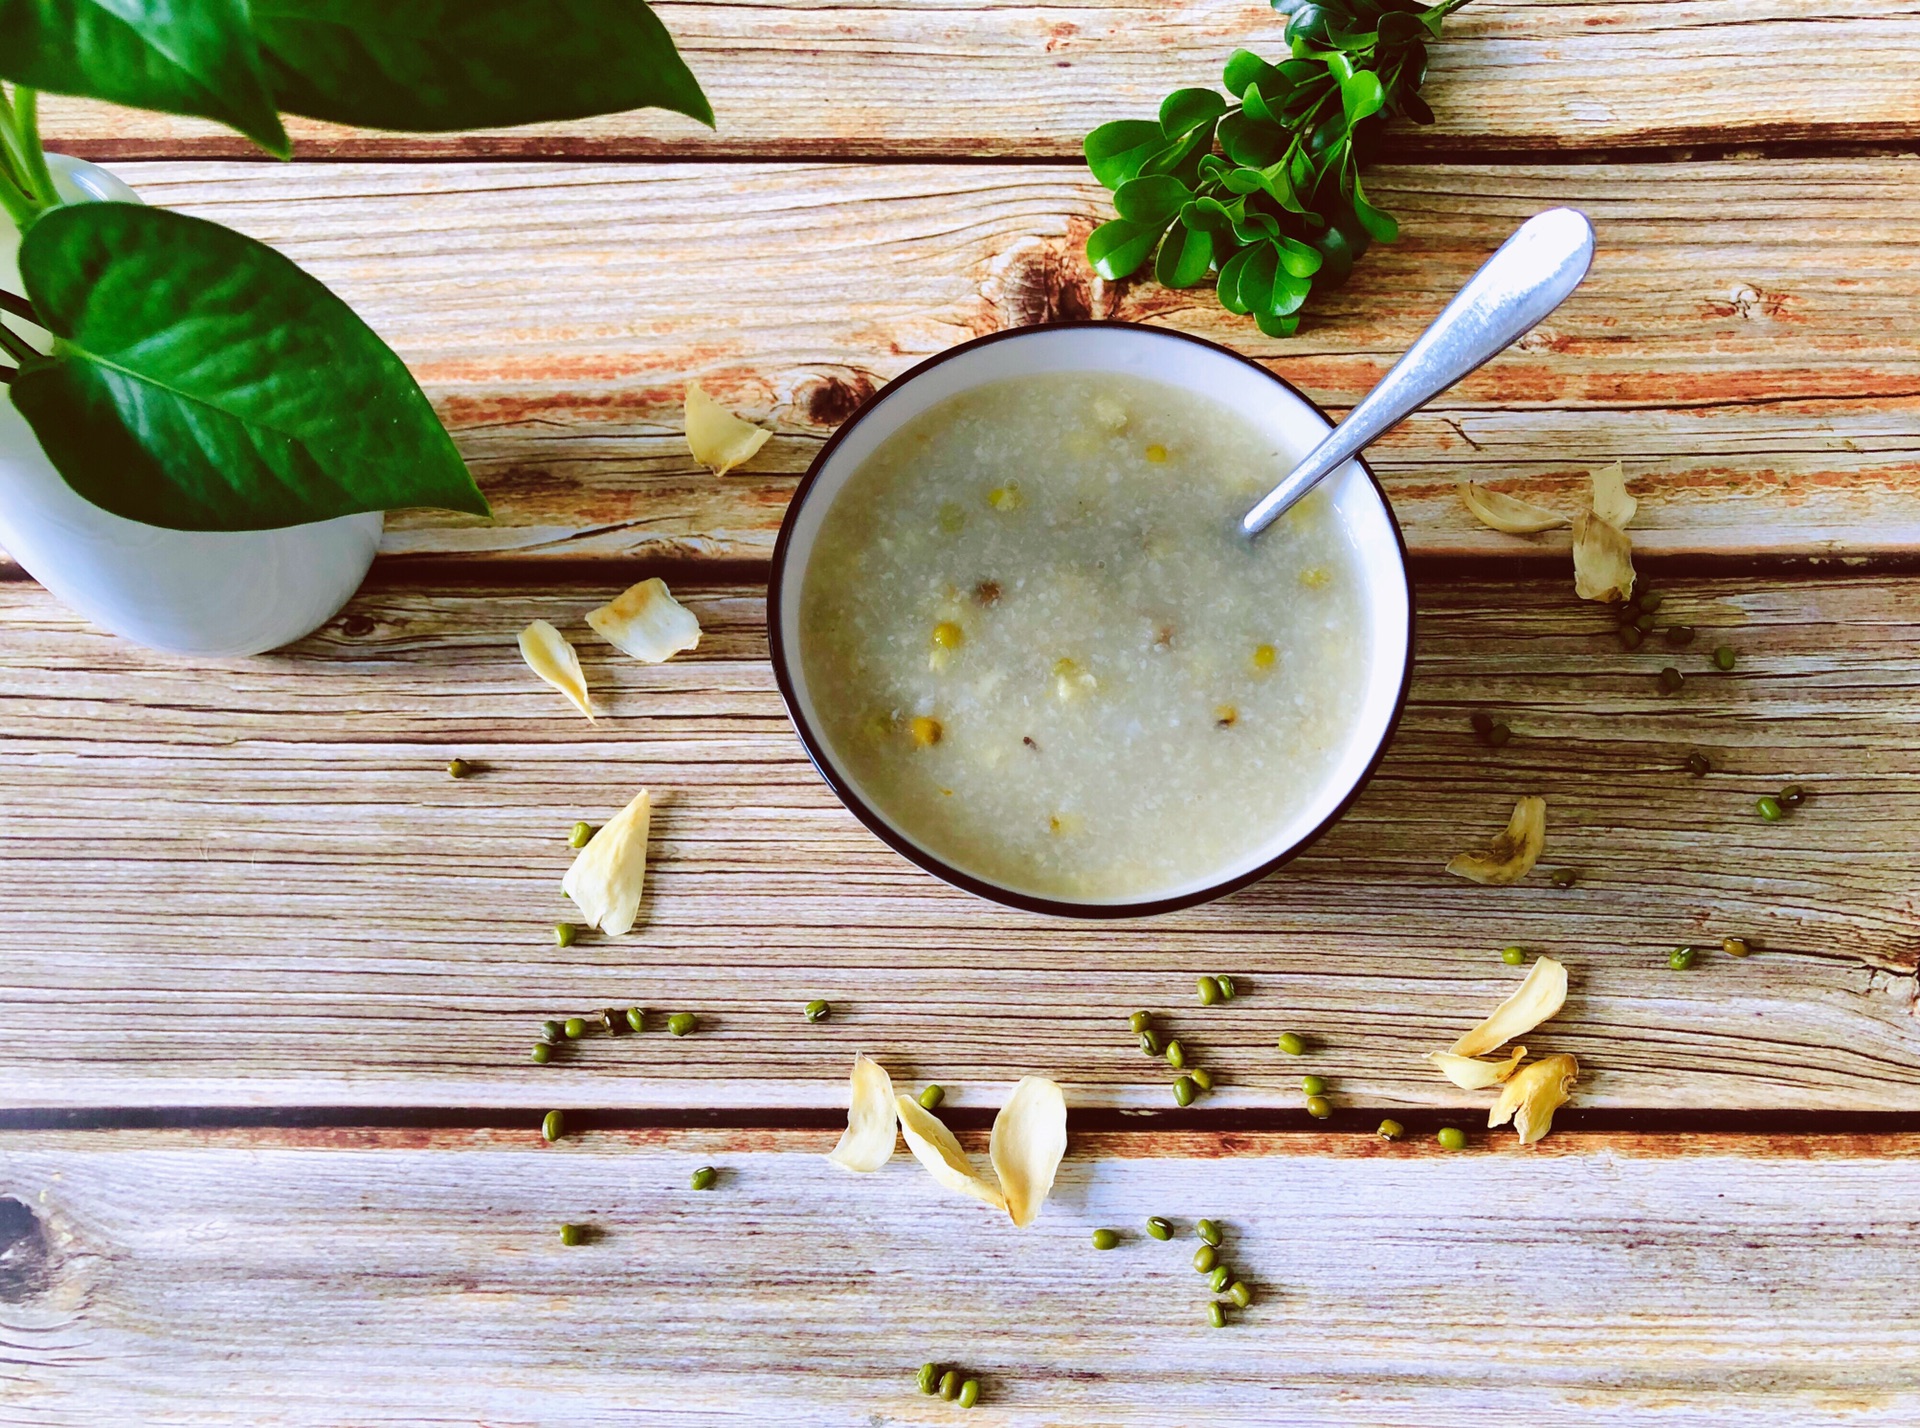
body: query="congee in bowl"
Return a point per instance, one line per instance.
(1027, 643)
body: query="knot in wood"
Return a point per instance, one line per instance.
(26, 1269)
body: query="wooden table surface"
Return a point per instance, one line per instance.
(270, 1148)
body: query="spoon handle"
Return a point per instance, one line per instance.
(1532, 274)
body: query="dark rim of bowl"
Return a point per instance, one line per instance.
(817, 747)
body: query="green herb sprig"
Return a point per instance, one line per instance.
(1280, 205)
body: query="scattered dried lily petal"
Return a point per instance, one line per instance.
(609, 874)
(1508, 513)
(867, 1142)
(933, 1146)
(1540, 996)
(1612, 502)
(647, 623)
(1512, 854)
(1602, 560)
(1029, 1138)
(718, 439)
(1470, 1073)
(548, 655)
(1534, 1094)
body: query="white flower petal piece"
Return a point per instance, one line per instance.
(609, 874)
(1602, 560)
(933, 1146)
(548, 655)
(647, 623)
(1029, 1139)
(1512, 854)
(1470, 1073)
(1540, 996)
(1534, 1094)
(718, 439)
(867, 1142)
(1508, 513)
(1612, 502)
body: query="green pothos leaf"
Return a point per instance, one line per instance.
(200, 381)
(180, 57)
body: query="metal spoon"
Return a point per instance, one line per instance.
(1533, 273)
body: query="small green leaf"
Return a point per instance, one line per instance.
(1213, 168)
(1255, 290)
(1117, 249)
(1398, 28)
(1150, 199)
(1414, 107)
(1251, 144)
(1185, 110)
(180, 57)
(1298, 258)
(1275, 326)
(1210, 214)
(1229, 285)
(1432, 17)
(1116, 151)
(1340, 246)
(1288, 294)
(1277, 180)
(1244, 67)
(1340, 67)
(201, 381)
(1182, 157)
(1256, 227)
(1361, 96)
(1255, 103)
(437, 65)
(1185, 256)
(1381, 226)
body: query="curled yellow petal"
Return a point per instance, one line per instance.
(647, 623)
(1602, 560)
(1540, 996)
(718, 439)
(867, 1142)
(1612, 502)
(1029, 1139)
(1534, 1093)
(609, 874)
(1508, 513)
(933, 1146)
(548, 655)
(1470, 1073)
(1512, 854)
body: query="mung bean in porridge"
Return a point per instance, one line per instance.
(1039, 646)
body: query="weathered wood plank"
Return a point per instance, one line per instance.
(1744, 343)
(252, 881)
(810, 78)
(308, 1278)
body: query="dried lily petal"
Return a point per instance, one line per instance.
(933, 1146)
(1534, 1094)
(1472, 1074)
(1512, 854)
(718, 439)
(1029, 1138)
(609, 874)
(1612, 502)
(1540, 996)
(867, 1142)
(647, 623)
(1602, 560)
(548, 655)
(1508, 513)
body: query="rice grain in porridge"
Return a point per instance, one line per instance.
(1039, 646)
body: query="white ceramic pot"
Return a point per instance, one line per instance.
(193, 592)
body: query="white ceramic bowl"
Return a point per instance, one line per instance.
(1293, 423)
